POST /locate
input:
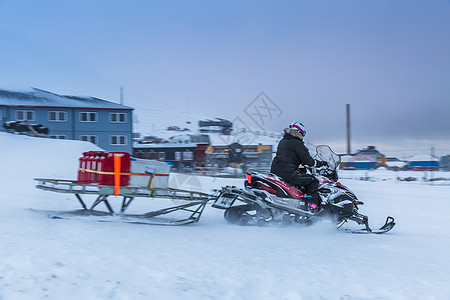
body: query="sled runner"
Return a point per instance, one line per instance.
(191, 203)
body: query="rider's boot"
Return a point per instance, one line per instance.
(312, 203)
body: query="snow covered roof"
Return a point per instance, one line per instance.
(362, 158)
(345, 158)
(423, 158)
(245, 139)
(40, 98)
(398, 164)
(165, 145)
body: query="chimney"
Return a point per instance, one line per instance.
(349, 150)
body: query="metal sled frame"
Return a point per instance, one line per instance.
(194, 205)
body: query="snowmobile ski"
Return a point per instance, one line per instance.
(388, 225)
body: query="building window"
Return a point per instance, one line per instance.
(24, 115)
(58, 137)
(89, 138)
(161, 155)
(188, 155)
(118, 117)
(118, 140)
(57, 116)
(177, 155)
(88, 117)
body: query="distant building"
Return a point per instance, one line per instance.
(194, 153)
(445, 163)
(256, 157)
(361, 162)
(185, 153)
(217, 125)
(182, 157)
(149, 139)
(365, 159)
(104, 123)
(395, 164)
(423, 163)
(344, 159)
(370, 151)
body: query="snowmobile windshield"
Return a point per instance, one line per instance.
(324, 153)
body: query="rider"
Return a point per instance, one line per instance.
(291, 153)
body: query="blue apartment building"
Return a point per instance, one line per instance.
(104, 123)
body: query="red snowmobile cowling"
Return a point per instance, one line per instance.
(274, 185)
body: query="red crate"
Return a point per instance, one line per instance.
(81, 170)
(96, 161)
(106, 176)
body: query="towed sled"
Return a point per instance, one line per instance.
(105, 176)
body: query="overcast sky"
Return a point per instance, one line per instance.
(389, 59)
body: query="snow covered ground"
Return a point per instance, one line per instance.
(42, 258)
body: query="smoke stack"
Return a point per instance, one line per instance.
(349, 150)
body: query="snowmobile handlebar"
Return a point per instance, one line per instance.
(325, 171)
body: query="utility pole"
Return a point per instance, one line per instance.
(432, 165)
(349, 150)
(121, 95)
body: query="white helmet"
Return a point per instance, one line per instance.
(299, 127)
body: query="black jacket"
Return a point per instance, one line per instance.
(291, 152)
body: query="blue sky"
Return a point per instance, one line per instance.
(390, 59)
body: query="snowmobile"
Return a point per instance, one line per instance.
(268, 199)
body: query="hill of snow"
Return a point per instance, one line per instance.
(155, 119)
(84, 259)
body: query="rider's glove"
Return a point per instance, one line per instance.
(321, 163)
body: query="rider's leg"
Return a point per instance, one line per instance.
(312, 190)
(310, 183)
